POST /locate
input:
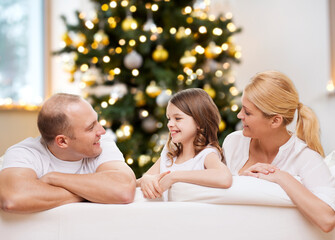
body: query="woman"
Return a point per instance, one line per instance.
(266, 149)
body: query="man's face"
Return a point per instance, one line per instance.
(87, 131)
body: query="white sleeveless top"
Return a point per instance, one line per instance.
(195, 163)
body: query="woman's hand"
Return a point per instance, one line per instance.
(150, 185)
(259, 169)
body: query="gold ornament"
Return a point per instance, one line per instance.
(222, 126)
(129, 24)
(211, 92)
(139, 99)
(212, 51)
(79, 40)
(101, 38)
(124, 132)
(181, 33)
(66, 39)
(153, 90)
(188, 60)
(160, 54)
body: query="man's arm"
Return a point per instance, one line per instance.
(22, 192)
(113, 182)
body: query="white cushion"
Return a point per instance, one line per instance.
(245, 190)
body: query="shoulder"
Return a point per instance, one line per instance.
(209, 150)
(110, 151)
(234, 137)
(235, 141)
(27, 146)
(28, 154)
(300, 149)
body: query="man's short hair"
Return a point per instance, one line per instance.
(52, 119)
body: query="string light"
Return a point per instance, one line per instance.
(104, 104)
(154, 7)
(84, 67)
(89, 24)
(113, 4)
(106, 59)
(202, 29)
(143, 38)
(234, 108)
(122, 42)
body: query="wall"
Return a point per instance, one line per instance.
(16, 125)
(289, 36)
(292, 37)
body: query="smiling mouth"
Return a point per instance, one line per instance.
(97, 142)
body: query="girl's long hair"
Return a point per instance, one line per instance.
(196, 103)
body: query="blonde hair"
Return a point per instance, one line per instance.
(196, 103)
(274, 93)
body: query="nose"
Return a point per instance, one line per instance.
(101, 130)
(240, 115)
(170, 123)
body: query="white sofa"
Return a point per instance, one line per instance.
(250, 209)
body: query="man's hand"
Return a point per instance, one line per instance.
(150, 185)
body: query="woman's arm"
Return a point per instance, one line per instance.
(216, 175)
(313, 208)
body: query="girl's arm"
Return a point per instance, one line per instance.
(313, 208)
(216, 174)
(149, 182)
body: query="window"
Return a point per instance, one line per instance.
(21, 52)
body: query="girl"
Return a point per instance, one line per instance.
(193, 122)
(267, 150)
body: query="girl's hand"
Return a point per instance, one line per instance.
(259, 168)
(166, 182)
(150, 185)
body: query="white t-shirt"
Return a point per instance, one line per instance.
(33, 153)
(293, 157)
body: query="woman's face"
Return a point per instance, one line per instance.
(255, 124)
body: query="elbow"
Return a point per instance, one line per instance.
(127, 196)
(226, 182)
(328, 225)
(9, 204)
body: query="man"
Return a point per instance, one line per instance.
(70, 162)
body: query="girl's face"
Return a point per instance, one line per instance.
(255, 124)
(182, 127)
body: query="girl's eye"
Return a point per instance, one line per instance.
(178, 119)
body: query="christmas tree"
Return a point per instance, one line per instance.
(133, 55)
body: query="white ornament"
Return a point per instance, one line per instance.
(118, 90)
(133, 60)
(149, 124)
(91, 76)
(163, 99)
(149, 25)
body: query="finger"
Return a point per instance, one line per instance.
(250, 174)
(158, 188)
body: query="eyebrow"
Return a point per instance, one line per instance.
(91, 125)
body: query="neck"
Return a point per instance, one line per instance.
(188, 150)
(269, 145)
(61, 153)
